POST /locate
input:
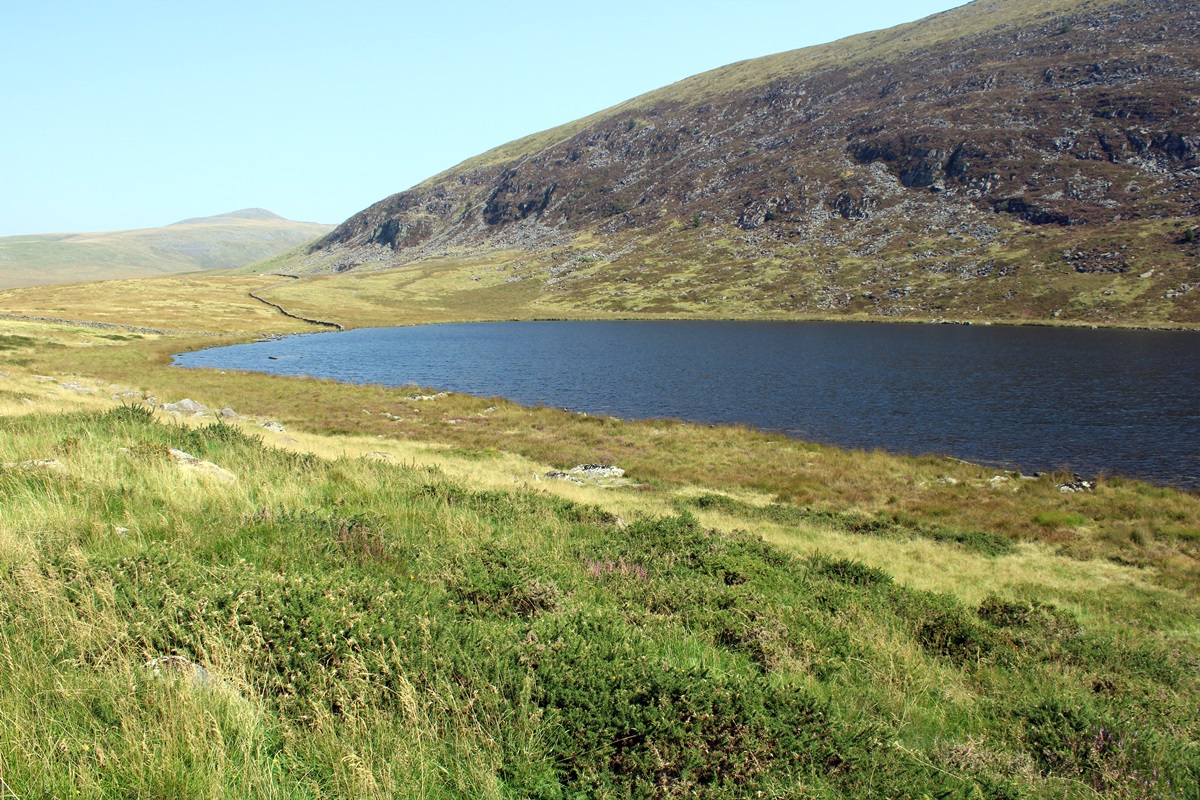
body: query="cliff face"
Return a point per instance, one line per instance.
(1072, 136)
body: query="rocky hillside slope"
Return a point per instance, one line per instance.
(221, 241)
(1006, 159)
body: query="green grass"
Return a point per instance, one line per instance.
(377, 630)
(15, 341)
(894, 525)
(1051, 519)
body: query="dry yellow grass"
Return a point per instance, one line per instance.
(480, 287)
(201, 303)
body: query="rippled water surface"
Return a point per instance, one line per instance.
(1027, 398)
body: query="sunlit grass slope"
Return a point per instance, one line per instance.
(372, 628)
(664, 276)
(197, 303)
(219, 242)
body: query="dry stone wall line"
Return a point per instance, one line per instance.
(289, 314)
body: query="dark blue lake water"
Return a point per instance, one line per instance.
(1026, 398)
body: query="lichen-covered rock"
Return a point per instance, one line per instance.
(189, 406)
(197, 675)
(178, 665)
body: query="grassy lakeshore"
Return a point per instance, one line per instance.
(389, 597)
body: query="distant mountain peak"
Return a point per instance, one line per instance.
(245, 213)
(224, 241)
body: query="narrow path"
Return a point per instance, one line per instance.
(287, 313)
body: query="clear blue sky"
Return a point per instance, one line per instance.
(136, 114)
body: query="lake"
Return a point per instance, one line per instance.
(1034, 399)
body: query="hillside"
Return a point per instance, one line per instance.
(1008, 160)
(221, 241)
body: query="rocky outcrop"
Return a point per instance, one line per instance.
(602, 475)
(972, 129)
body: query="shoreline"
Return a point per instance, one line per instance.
(1035, 464)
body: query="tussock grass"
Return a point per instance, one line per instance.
(408, 608)
(376, 628)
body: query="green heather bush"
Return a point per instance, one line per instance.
(499, 579)
(944, 626)
(849, 572)
(632, 720)
(374, 630)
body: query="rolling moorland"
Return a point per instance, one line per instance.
(295, 588)
(217, 242)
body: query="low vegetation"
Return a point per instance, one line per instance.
(367, 628)
(390, 598)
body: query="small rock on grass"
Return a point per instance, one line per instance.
(194, 673)
(559, 475)
(593, 475)
(597, 471)
(189, 461)
(186, 406)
